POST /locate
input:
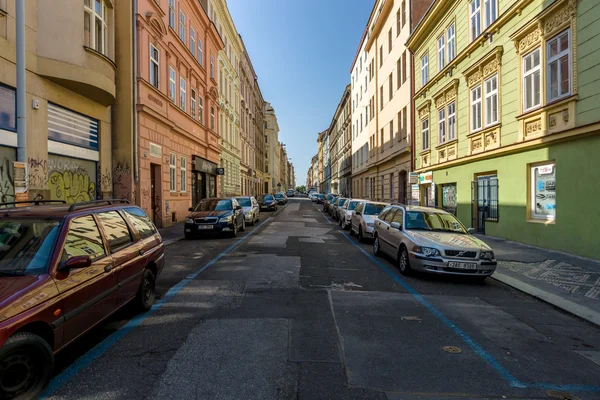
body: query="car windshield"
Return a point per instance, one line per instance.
(433, 221)
(244, 201)
(341, 202)
(26, 245)
(352, 205)
(213, 205)
(267, 197)
(321, 196)
(373, 209)
(278, 195)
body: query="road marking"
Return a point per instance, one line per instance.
(476, 347)
(87, 358)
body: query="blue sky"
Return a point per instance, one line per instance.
(302, 52)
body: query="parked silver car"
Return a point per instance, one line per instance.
(336, 206)
(251, 209)
(362, 222)
(345, 216)
(431, 240)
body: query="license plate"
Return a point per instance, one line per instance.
(462, 265)
(204, 227)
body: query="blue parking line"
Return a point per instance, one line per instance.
(110, 341)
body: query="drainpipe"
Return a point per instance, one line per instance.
(412, 114)
(136, 164)
(21, 89)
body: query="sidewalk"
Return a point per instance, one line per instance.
(173, 233)
(568, 282)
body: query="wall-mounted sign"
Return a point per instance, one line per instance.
(203, 165)
(414, 192)
(413, 178)
(426, 177)
(20, 177)
(220, 171)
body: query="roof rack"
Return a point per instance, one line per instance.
(86, 204)
(34, 202)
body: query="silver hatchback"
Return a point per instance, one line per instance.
(251, 209)
(363, 219)
(431, 240)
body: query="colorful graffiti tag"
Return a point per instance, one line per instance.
(7, 188)
(72, 180)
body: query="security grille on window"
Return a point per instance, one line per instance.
(476, 109)
(173, 172)
(531, 80)
(425, 134)
(182, 91)
(172, 14)
(491, 101)
(543, 191)
(424, 69)
(183, 173)
(182, 26)
(95, 25)
(172, 84)
(154, 66)
(559, 66)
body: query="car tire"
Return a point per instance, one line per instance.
(243, 228)
(27, 353)
(404, 261)
(351, 230)
(361, 237)
(146, 295)
(188, 236)
(376, 248)
(480, 280)
(233, 231)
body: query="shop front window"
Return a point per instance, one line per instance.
(543, 192)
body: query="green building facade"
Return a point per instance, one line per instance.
(507, 111)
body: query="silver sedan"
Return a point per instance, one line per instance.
(251, 209)
(363, 219)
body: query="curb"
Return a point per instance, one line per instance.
(568, 306)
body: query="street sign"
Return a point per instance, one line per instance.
(220, 171)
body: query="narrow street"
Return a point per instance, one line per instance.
(295, 308)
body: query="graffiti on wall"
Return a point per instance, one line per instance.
(38, 173)
(71, 180)
(7, 187)
(122, 182)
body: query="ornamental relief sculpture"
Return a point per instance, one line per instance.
(560, 17)
(474, 78)
(530, 40)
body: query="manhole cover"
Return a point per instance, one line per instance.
(557, 394)
(452, 349)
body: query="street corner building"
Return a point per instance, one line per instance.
(506, 118)
(70, 92)
(166, 152)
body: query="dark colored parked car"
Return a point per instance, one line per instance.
(267, 202)
(215, 215)
(320, 198)
(281, 198)
(63, 269)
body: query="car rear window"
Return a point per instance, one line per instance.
(244, 201)
(116, 230)
(140, 222)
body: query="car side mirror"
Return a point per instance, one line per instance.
(357, 212)
(396, 225)
(238, 207)
(76, 263)
(471, 231)
(191, 209)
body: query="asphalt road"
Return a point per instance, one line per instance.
(297, 309)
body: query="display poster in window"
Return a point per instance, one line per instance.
(544, 178)
(414, 190)
(431, 198)
(449, 198)
(8, 109)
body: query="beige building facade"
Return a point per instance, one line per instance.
(340, 142)
(271, 149)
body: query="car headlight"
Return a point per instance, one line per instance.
(427, 251)
(189, 221)
(225, 219)
(486, 255)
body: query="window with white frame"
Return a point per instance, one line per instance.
(154, 66)
(451, 121)
(192, 41)
(173, 172)
(491, 12)
(212, 118)
(451, 42)
(193, 103)
(542, 183)
(201, 110)
(442, 125)
(95, 29)
(475, 108)
(172, 14)
(531, 80)
(182, 26)
(172, 83)
(424, 69)
(183, 173)
(200, 53)
(182, 91)
(558, 56)
(212, 66)
(491, 101)
(475, 8)
(441, 52)
(425, 134)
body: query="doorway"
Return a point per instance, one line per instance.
(198, 187)
(155, 200)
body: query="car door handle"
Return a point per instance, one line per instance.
(108, 268)
(388, 228)
(142, 252)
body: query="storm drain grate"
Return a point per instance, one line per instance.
(452, 349)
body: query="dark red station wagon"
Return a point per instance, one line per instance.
(63, 269)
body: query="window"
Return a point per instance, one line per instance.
(543, 191)
(475, 19)
(531, 80)
(380, 97)
(193, 41)
(172, 172)
(154, 66)
(200, 110)
(172, 84)
(403, 13)
(476, 109)
(212, 66)
(491, 11)
(8, 108)
(390, 40)
(404, 123)
(391, 85)
(95, 25)
(559, 66)
(183, 173)
(425, 134)
(404, 66)
(442, 125)
(424, 69)
(84, 239)
(491, 100)
(172, 14)
(200, 53)
(182, 26)
(140, 222)
(398, 22)
(212, 118)
(451, 43)
(116, 230)
(487, 197)
(392, 132)
(381, 56)
(182, 95)
(193, 103)
(441, 52)
(451, 121)
(398, 73)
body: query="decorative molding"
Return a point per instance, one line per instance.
(532, 39)
(446, 94)
(487, 65)
(423, 109)
(533, 127)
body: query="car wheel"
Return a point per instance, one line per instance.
(233, 231)
(243, 225)
(376, 248)
(361, 237)
(188, 236)
(480, 280)
(146, 294)
(403, 261)
(26, 363)
(351, 230)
